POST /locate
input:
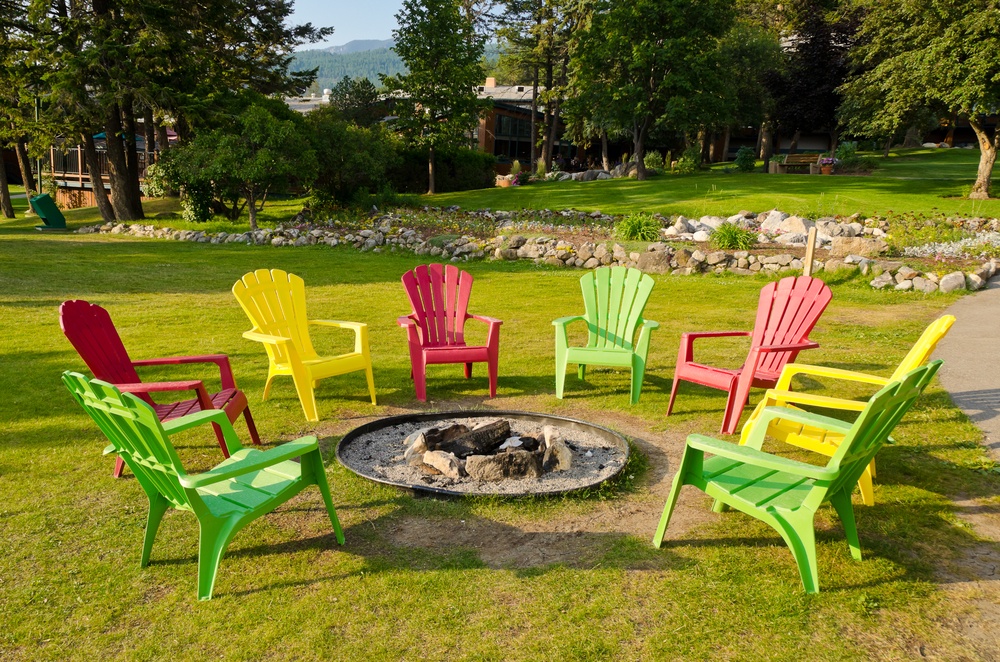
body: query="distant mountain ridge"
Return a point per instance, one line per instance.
(361, 45)
(358, 59)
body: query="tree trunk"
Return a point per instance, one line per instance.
(702, 141)
(126, 209)
(150, 134)
(949, 139)
(766, 146)
(534, 120)
(6, 206)
(552, 137)
(21, 147)
(162, 139)
(546, 155)
(760, 140)
(725, 144)
(96, 180)
(430, 171)
(795, 141)
(639, 143)
(834, 141)
(605, 161)
(987, 157)
(132, 154)
(252, 210)
(888, 146)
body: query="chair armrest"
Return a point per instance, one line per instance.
(649, 324)
(755, 439)
(788, 348)
(759, 458)
(825, 401)
(563, 321)
(251, 460)
(266, 338)
(714, 334)
(492, 321)
(217, 416)
(221, 360)
(109, 449)
(406, 320)
(793, 369)
(159, 387)
(355, 326)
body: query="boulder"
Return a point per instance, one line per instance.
(953, 281)
(657, 262)
(586, 251)
(792, 239)
(904, 285)
(712, 221)
(923, 285)
(517, 241)
(557, 457)
(446, 463)
(701, 235)
(795, 224)
(906, 273)
(715, 258)
(591, 263)
(772, 221)
(882, 281)
(844, 246)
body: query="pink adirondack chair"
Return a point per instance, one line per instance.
(439, 296)
(786, 313)
(90, 329)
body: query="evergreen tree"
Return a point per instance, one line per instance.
(437, 105)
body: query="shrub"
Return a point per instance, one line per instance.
(353, 160)
(638, 227)
(653, 160)
(515, 167)
(456, 170)
(689, 162)
(848, 159)
(914, 229)
(746, 160)
(730, 236)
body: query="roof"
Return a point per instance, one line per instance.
(515, 94)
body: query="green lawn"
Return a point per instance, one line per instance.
(478, 579)
(926, 181)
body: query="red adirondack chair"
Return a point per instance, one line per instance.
(439, 296)
(786, 313)
(90, 329)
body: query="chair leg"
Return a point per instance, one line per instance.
(420, 382)
(119, 467)
(222, 440)
(800, 536)
(668, 508)
(319, 472)
(561, 361)
(251, 427)
(673, 394)
(157, 507)
(268, 384)
(737, 400)
(845, 510)
(866, 488)
(638, 372)
(492, 366)
(371, 382)
(212, 543)
(468, 370)
(581, 371)
(307, 396)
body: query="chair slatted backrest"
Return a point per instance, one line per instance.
(614, 299)
(439, 295)
(275, 302)
(134, 430)
(786, 313)
(921, 351)
(875, 423)
(92, 333)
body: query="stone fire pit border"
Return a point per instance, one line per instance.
(612, 437)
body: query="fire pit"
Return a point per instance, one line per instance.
(484, 452)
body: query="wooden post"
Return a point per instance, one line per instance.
(807, 267)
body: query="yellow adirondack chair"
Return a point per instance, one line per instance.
(275, 302)
(825, 441)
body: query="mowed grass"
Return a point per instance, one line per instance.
(723, 587)
(923, 180)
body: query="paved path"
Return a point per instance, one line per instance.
(971, 352)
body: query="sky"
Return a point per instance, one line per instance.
(351, 19)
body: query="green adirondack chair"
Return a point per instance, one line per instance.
(249, 484)
(786, 493)
(614, 298)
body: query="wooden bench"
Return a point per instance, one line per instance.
(810, 161)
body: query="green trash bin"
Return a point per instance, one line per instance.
(46, 209)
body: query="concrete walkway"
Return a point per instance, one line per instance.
(971, 352)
